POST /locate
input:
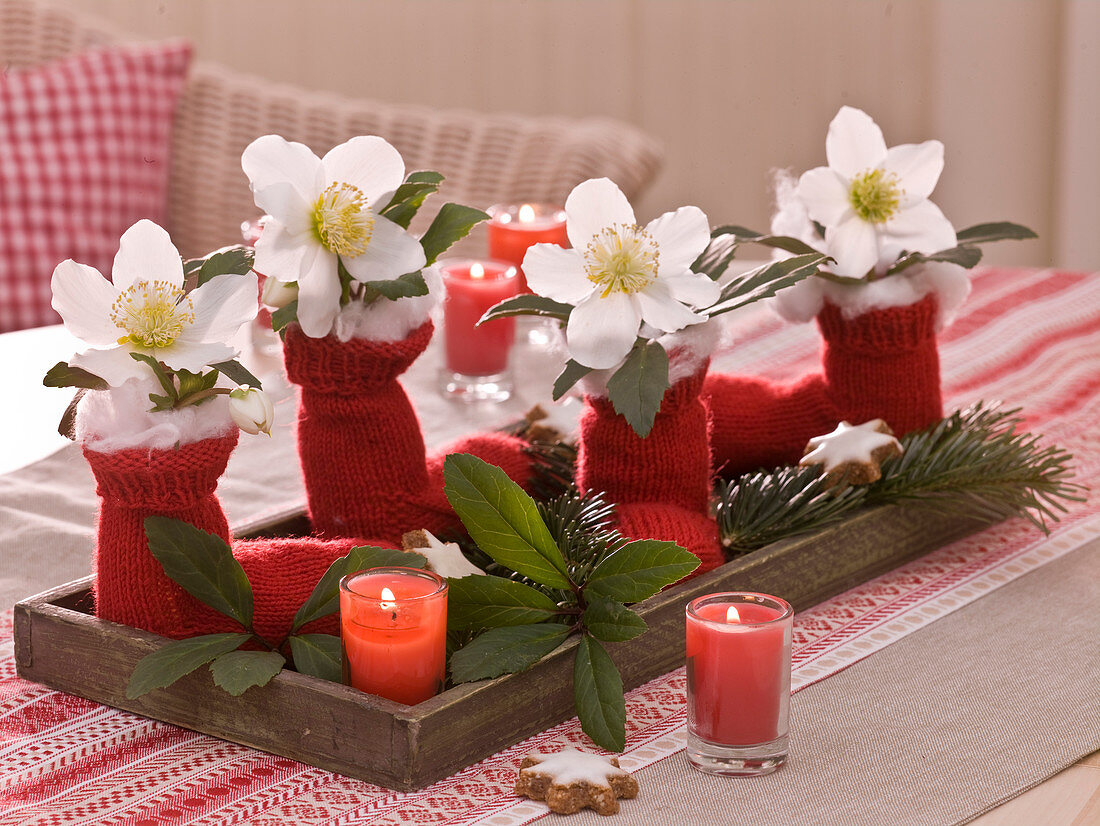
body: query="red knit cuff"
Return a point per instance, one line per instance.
(890, 330)
(161, 480)
(328, 365)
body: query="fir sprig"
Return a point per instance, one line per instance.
(975, 462)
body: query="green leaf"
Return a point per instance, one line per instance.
(236, 260)
(284, 316)
(65, 375)
(410, 196)
(528, 304)
(780, 242)
(178, 659)
(611, 621)
(765, 281)
(492, 602)
(235, 371)
(238, 671)
(203, 564)
(325, 598)
(67, 426)
(640, 569)
(503, 520)
(409, 284)
(159, 371)
(716, 258)
(317, 655)
(1001, 231)
(598, 696)
(965, 256)
(574, 371)
(195, 382)
(506, 651)
(453, 223)
(637, 388)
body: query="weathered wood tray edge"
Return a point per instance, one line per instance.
(334, 727)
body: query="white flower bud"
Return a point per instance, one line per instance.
(252, 409)
(277, 294)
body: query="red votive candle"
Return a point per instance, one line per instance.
(472, 288)
(393, 625)
(513, 228)
(738, 682)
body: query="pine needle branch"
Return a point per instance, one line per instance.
(976, 463)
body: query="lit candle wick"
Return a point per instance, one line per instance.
(388, 603)
(477, 271)
(526, 213)
(732, 615)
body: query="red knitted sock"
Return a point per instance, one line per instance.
(130, 585)
(661, 483)
(359, 440)
(884, 364)
(756, 423)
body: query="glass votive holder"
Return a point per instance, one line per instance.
(514, 228)
(738, 683)
(393, 630)
(476, 358)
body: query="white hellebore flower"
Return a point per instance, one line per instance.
(873, 201)
(619, 274)
(324, 208)
(252, 410)
(146, 310)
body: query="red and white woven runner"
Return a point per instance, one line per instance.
(1029, 338)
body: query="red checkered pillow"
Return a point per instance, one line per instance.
(84, 150)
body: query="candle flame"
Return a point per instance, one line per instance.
(388, 600)
(387, 594)
(476, 270)
(732, 615)
(526, 213)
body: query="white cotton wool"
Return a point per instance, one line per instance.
(949, 282)
(385, 320)
(120, 418)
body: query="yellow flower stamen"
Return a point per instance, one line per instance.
(875, 195)
(153, 313)
(621, 258)
(342, 220)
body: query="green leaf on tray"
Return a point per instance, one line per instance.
(611, 621)
(317, 655)
(65, 375)
(235, 371)
(492, 601)
(177, 659)
(453, 223)
(640, 569)
(405, 286)
(574, 371)
(598, 696)
(998, 231)
(527, 304)
(203, 564)
(235, 260)
(765, 281)
(503, 520)
(239, 671)
(506, 650)
(410, 196)
(325, 598)
(637, 388)
(284, 316)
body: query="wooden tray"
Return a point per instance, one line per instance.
(59, 643)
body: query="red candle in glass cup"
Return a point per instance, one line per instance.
(473, 287)
(393, 626)
(514, 228)
(739, 682)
